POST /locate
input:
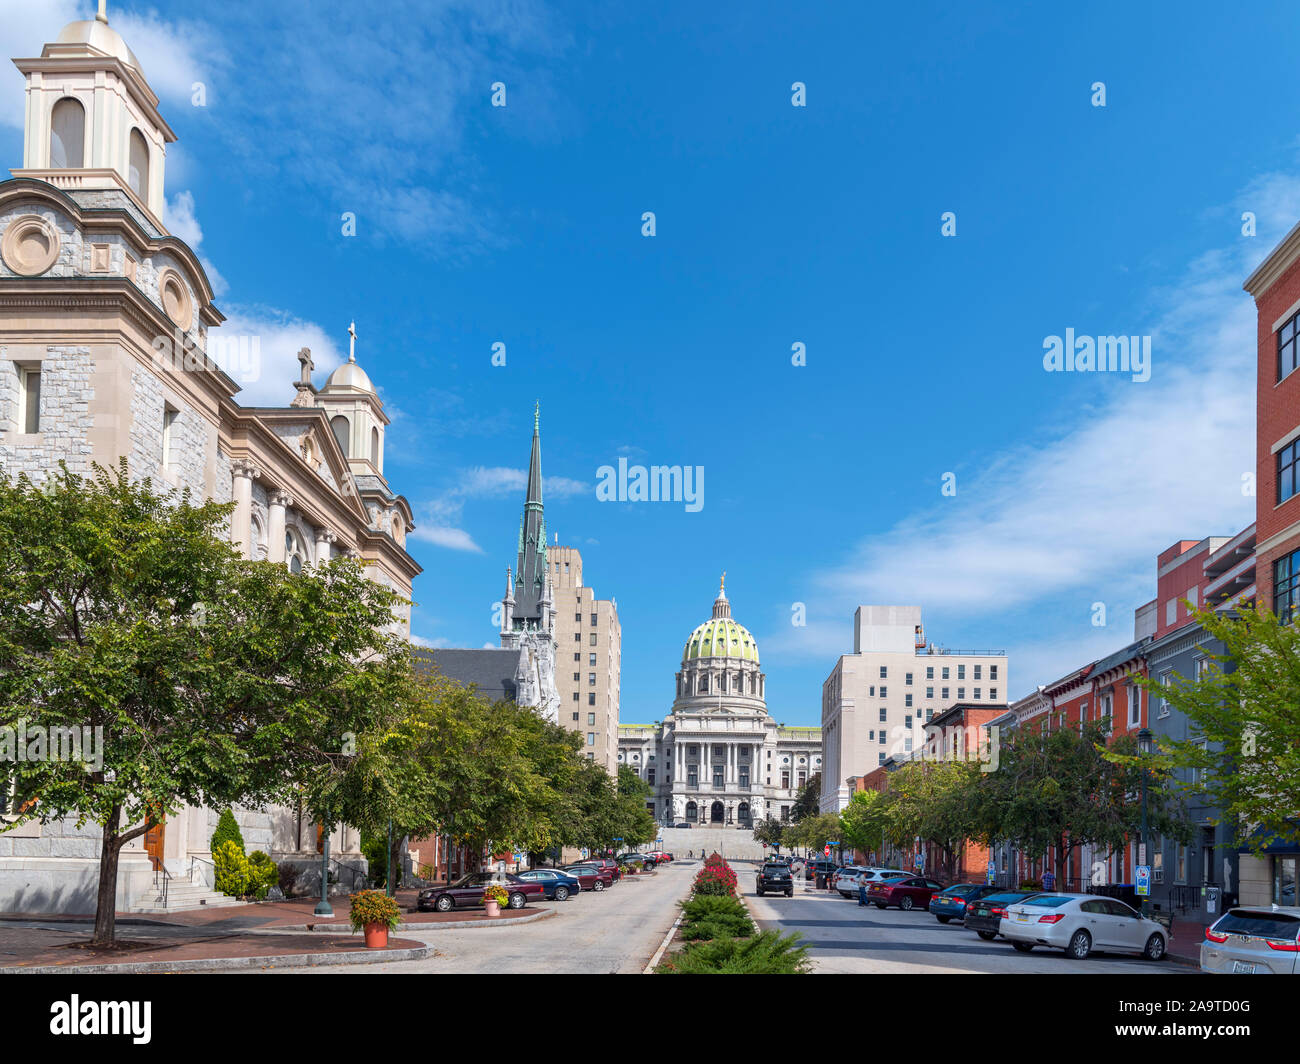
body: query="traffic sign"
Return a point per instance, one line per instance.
(827, 850)
(1143, 877)
(917, 861)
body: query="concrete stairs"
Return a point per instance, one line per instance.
(731, 843)
(182, 895)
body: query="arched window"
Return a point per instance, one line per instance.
(258, 539)
(342, 429)
(137, 174)
(374, 448)
(295, 553)
(68, 135)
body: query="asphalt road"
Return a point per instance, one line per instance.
(614, 931)
(847, 938)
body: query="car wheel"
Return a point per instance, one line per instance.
(789, 893)
(943, 919)
(518, 901)
(987, 936)
(905, 904)
(1080, 945)
(445, 903)
(561, 893)
(1023, 947)
(760, 892)
(599, 885)
(1155, 949)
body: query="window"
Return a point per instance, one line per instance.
(993, 672)
(961, 672)
(744, 777)
(591, 679)
(882, 736)
(591, 720)
(871, 691)
(591, 659)
(168, 427)
(977, 671)
(1134, 705)
(785, 780)
(945, 672)
(591, 738)
(907, 680)
(342, 429)
(577, 616)
(907, 701)
(884, 672)
(593, 638)
(907, 721)
(575, 716)
(977, 694)
(883, 692)
(577, 657)
(929, 692)
(884, 714)
(943, 692)
(137, 171)
(577, 676)
(650, 775)
(591, 698)
(68, 135)
(907, 745)
(575, 698)
(961, 694)
(929, 672)
(1284, 884)
(993, 693)
(692, 777)
(1286, 586)
(717, 775)
(871, 737)
(882, 760)
(374, 448)
(593, 619)
(1286, 348)
(29, 398)
(1180, 863)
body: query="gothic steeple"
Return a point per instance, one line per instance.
(530, 576)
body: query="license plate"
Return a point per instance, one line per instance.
(1241, 968)
(1022, 918)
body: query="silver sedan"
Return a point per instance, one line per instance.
(1081, 923)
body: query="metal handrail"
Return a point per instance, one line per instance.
(202, 861)
(351, 870)
(166, 881)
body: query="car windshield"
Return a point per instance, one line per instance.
(774, 868)
(961, 890)
(1046, 901)
(997, 899)
(1263, 924)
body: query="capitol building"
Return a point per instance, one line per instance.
(719, 759)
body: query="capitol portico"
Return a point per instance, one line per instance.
(719, 758)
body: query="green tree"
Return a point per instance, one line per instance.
(862, 822)
(227, 830)
(933, 801)
(212, 680)
(1244, 713)
(809, 799)
(770, 831)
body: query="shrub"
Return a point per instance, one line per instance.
(227, 831)
(710, 916)
(715, 878)
(768, 953)
(1031, 884)
(373, 907)
(232, 871)
(262, 874)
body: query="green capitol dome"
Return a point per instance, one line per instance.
(721, 637)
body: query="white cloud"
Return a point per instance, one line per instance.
(174, 55)
(1040, 531)
(443, 536)
(271, 339)
(182, 222)
(433, 644)
(25, 28)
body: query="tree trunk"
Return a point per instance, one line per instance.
(106, 901)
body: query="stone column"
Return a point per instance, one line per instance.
(279, 502)
(243, 473)
(323, 541)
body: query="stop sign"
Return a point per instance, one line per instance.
(827, 851)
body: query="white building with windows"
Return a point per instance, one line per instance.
(106, 321)
(719, 758)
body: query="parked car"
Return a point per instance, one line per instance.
(608, 863)
(590, 877)
(952, 903)
(845, 879)
(984, 915)
(818, 867)
(908, 892)
(1249, 940)
(558, 885)
(868, 876)
(683, 824)
(775, 877)
(467, 892)
(1081, 923)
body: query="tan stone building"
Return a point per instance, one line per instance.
(106, 320)
(877, 700)
(589, 655)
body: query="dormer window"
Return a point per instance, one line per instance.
(68, 135)
(137, 174)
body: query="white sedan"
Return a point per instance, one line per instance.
(1081, 923)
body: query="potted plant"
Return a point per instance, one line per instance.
(377, 913)
(495, 896)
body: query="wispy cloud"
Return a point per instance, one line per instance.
(277, 336)
(25, 28)
(1081, 515)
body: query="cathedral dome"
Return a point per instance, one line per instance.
(349, 377)
(100, 37)
(721, 637)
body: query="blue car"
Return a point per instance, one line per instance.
(558, 885)
(951, 904)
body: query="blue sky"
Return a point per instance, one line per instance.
(775, 225)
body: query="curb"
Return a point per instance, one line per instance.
(325, 929)
(663, 946)
(211, 964)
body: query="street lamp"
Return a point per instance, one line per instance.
(1144, 738)
(323, 907)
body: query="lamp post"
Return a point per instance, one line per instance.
(323, 906)
(1144, 747)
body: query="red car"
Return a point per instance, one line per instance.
(591, 877)
(913, 892)
(607, 863)
(467, 892)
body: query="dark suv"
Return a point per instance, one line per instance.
(777, 878)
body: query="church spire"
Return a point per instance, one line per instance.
(530, 576)
(721, 607)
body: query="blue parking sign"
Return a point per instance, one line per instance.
(1142, 876)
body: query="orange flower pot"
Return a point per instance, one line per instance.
(493, 908)
(376, 936)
